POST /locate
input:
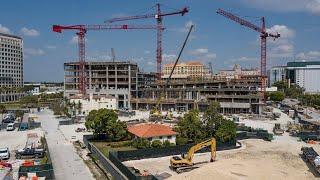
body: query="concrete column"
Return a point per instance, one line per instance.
(116, 76)
(90, 77)
(129, 94)
(107, 79)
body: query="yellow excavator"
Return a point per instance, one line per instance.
(155, 113)
(184, 163)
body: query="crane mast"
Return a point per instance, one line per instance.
(263, 41)
(82, 30)
(158, 16)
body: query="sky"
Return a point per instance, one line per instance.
(215, 38)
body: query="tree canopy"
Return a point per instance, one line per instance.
(276, 96)
(190, 127)
(105, 121)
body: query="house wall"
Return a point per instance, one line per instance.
(88, 105)
(164, 138)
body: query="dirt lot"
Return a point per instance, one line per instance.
(257, 159)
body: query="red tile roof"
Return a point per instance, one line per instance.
(151, 130)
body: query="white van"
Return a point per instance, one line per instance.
(10, 127)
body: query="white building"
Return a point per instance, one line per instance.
(35, 88)
(305, 74)
(93, 102)
(153, 132)
(11, 67)
(237, 72)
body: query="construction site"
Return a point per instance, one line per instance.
(178, 88)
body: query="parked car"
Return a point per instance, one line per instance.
(80, 129)
(10, 127)
(30, 153)
(4, 153)
(8, 119)
(24, 126)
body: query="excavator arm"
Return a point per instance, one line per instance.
(197, 147)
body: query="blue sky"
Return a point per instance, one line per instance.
(215, 38)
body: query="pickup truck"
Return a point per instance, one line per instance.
(30, 153)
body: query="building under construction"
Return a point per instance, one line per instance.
(235, 95)
(137, 90)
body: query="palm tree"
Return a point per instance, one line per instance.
(79, 107)
(2, 109)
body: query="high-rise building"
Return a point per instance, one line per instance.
(11, 67)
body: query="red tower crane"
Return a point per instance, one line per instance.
(82, 30)
(263, 35)
(158, 16)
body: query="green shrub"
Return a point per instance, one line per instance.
(156, 144)
(181, 141)
(166, 143)
(141, 143)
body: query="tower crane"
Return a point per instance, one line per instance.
(158, 16)
(263, 36)
(81, 31)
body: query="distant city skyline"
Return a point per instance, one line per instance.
(215, 38)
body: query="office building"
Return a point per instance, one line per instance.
(11, 67)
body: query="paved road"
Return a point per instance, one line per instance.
(66, 162)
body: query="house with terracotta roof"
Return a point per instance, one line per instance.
(153, 132)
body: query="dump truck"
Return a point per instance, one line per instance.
(312, 157)
(277, 129)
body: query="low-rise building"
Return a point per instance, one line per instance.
(237, 72)
(302, 73)
(191, 69)
(92, 102)
(35, 88)
(153, 132)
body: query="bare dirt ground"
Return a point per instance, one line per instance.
(257, 159)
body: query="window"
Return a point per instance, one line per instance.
(169, 137)
(149, 139)
(160, 137)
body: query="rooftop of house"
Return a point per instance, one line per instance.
(151, 130)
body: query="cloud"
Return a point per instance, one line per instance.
(283, 30)
(168, 57)
(74, 40)
(29, 32)
(4, 29)
(283, 46)
(310, 6)
(311, 55)
(199, 51)
(34, 52)
(185, 28)
(51, 47)
(203, 54)
(147, 52)
(245, 59)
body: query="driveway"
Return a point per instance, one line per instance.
(66, 162)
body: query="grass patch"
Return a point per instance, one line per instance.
(106, 147)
